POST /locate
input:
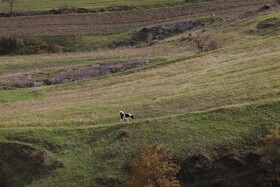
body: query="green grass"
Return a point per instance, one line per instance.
(179, 82)
(218, 99)
(196, 84)
(31, 5)
(8, 96)
(93, 153)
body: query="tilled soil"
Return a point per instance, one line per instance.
(108, 23)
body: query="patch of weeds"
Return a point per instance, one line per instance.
(9, 44)
(203, 42)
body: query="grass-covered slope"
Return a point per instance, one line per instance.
(101, 156)
(222, 99)
(246, 70)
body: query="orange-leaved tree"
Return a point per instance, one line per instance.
(153, 167)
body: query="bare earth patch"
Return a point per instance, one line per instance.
(74, 74)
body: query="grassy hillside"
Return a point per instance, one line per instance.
(223, 100)
(244, 71)
(101, 156)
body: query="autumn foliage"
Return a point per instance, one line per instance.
(153, 168)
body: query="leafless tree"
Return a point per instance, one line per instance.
(11, 4)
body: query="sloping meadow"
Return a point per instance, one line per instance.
(222, 100)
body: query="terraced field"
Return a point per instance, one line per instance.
(110, 23)
(222, 100)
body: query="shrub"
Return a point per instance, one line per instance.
(47, 82)
(43, 48)
(206, 43)
(153, 168)
(215, 43)
(270, 155)
(64, 9)
(55, 48)
(199, 42)
(9, 44)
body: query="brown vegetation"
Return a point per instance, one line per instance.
(214, 43)
(66, 9)
(206, 43)
(153, 167)
(199, 42)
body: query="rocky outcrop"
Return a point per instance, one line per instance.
(149, 34)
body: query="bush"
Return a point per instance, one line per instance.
(206, 43)
(56, 48)
(199, 42)
(153, 168)
(64, 9)
(9, 44)
(215, 43)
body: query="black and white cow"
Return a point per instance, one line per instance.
(124, 117)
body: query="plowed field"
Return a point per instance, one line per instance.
(108, 23)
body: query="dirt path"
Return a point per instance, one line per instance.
(225, 107)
